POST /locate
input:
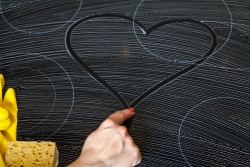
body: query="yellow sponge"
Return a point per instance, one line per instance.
(31, 154)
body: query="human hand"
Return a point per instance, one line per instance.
(110, 145)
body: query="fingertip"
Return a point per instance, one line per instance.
(131, 110)
(120, 116)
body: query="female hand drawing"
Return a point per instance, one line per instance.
(110, 145)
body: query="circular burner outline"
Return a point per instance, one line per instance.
(176, 60)
(39, 32)
(205, 101)
(73, 96)
(72, 87)
(52, 108)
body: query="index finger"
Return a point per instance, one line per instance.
(120, 116)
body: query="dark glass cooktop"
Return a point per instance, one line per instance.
(183, 65)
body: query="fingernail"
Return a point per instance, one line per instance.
(132, 109)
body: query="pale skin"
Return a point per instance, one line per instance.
(110, 145)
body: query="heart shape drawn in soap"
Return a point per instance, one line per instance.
(146, 32)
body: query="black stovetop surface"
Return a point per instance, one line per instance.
(183, 65)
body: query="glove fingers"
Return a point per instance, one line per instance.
(4, 114)
(10, 104)
(9, 101)
(5, 124)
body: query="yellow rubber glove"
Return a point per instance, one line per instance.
(8, 118)
(3, 148)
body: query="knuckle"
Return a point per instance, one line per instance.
(123, 130)
(122, 114)
(137, 153)
(108, 122)
(129, 140)
(136, 157)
